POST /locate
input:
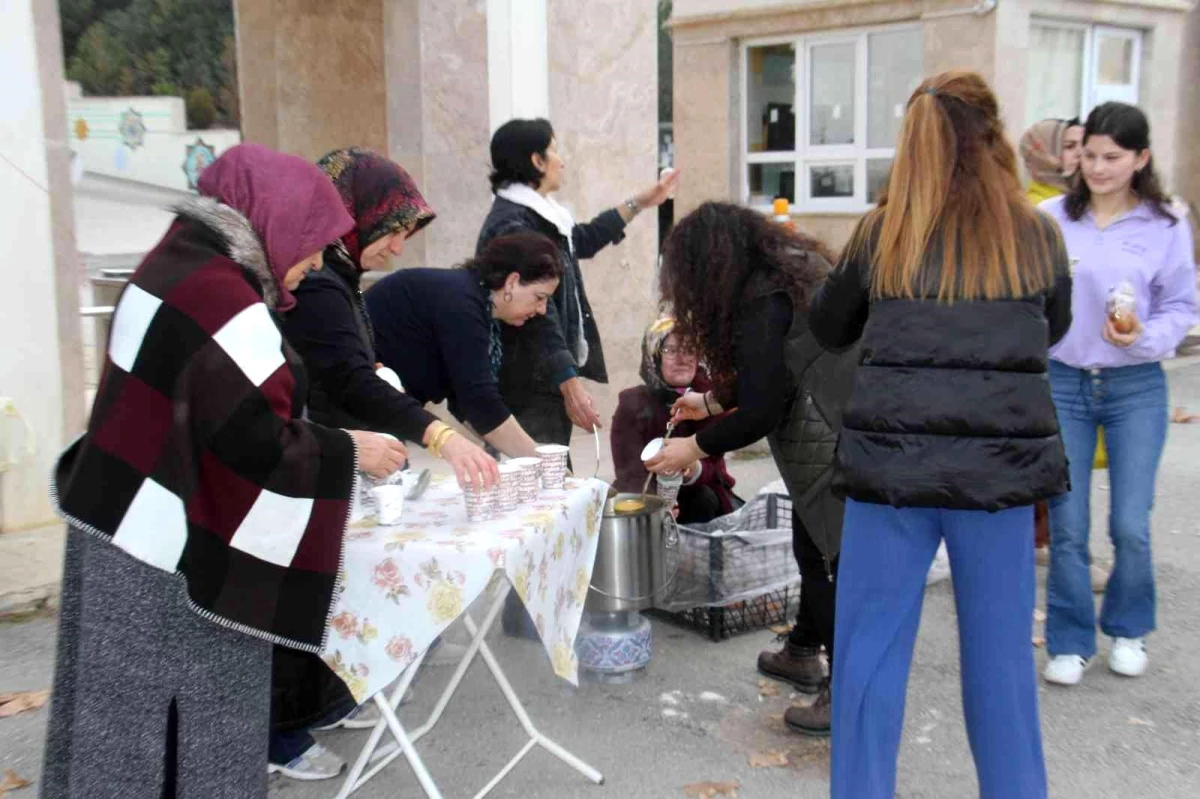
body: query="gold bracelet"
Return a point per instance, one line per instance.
(445, 439)
(437, 428)
(438, 442)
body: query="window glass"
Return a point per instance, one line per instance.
(831, 112)
(895, 66)
(770, 94)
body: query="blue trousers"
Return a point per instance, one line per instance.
(886, 554)
(1131, 404)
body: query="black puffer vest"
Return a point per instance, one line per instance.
(804, 442)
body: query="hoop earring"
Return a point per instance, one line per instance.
(507, 295)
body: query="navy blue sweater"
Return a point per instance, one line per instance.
(434, 328)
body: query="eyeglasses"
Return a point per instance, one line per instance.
(678, 352)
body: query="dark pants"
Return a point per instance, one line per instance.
(818, 593)
(285, 746)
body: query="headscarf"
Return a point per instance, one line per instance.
(1042, 151)
(289, 203)
(378, 193)
(651, 368)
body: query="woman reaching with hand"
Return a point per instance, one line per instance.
(739, 285)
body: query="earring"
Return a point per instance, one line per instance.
(507, 295)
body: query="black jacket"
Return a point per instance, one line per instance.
(434, 327)
(793, 392)
(330, 329)
(541, 353)
(951, 404)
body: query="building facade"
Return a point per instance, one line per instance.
(804, 98)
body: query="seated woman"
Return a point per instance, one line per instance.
(669, 368)
(439, 329)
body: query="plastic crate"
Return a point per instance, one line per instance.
(718, 623)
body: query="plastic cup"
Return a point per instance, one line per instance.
(528, 478)
(668, 488)
(480, 502)
(554, 465)
(389, 503)
(508, 496)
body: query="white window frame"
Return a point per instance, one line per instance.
(1090, 95)
(806, 156)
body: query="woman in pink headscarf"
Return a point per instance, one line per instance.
(206, 516)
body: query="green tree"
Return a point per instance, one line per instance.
(201, 111)
(155, 47)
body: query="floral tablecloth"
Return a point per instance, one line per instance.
(402, 585)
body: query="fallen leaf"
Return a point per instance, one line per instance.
(1181, 416)
(1039, 641)
(707, 790)
(12, 782)
(775, 717)
(12, 704)
(768, 688)
(1136, 722)
(773, 759)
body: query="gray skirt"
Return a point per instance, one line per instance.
(150, 700)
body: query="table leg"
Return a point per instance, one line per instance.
(514, 702)
(356, 779)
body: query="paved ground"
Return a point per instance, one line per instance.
(697, 715)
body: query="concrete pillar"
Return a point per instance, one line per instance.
(518, 72)
(41, 364)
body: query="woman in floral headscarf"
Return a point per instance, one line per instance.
(669, 368)
(330, 329)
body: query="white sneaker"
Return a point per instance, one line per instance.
(1128, 657)
(1066, 669)
(317, 763)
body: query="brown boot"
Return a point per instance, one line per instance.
(799, 666)
(812, 719)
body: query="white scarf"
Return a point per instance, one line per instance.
(545, 207)
(564, 223)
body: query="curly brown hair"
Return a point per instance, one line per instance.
(706, 262)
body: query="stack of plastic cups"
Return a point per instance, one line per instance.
(528, 478)
(508, 495)
(480, 501)
(554, 465)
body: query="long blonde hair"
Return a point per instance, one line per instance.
(954, 190)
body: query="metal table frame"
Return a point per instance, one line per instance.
(407, 741)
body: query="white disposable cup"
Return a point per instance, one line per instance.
(668, 487)
(528, 478)
(508, 495)
(554, 465)
(389, 503)
(652, 448)
(481, 503)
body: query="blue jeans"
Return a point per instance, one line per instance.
(1130, 403)
(886, 554)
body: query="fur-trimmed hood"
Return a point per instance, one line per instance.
(242, 243)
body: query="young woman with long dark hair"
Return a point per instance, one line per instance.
(739, 285)
(1119, 226)
(954, 287)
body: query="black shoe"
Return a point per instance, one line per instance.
(799, 666)
(814, 719)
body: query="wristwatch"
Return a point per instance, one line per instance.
(632, 206)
